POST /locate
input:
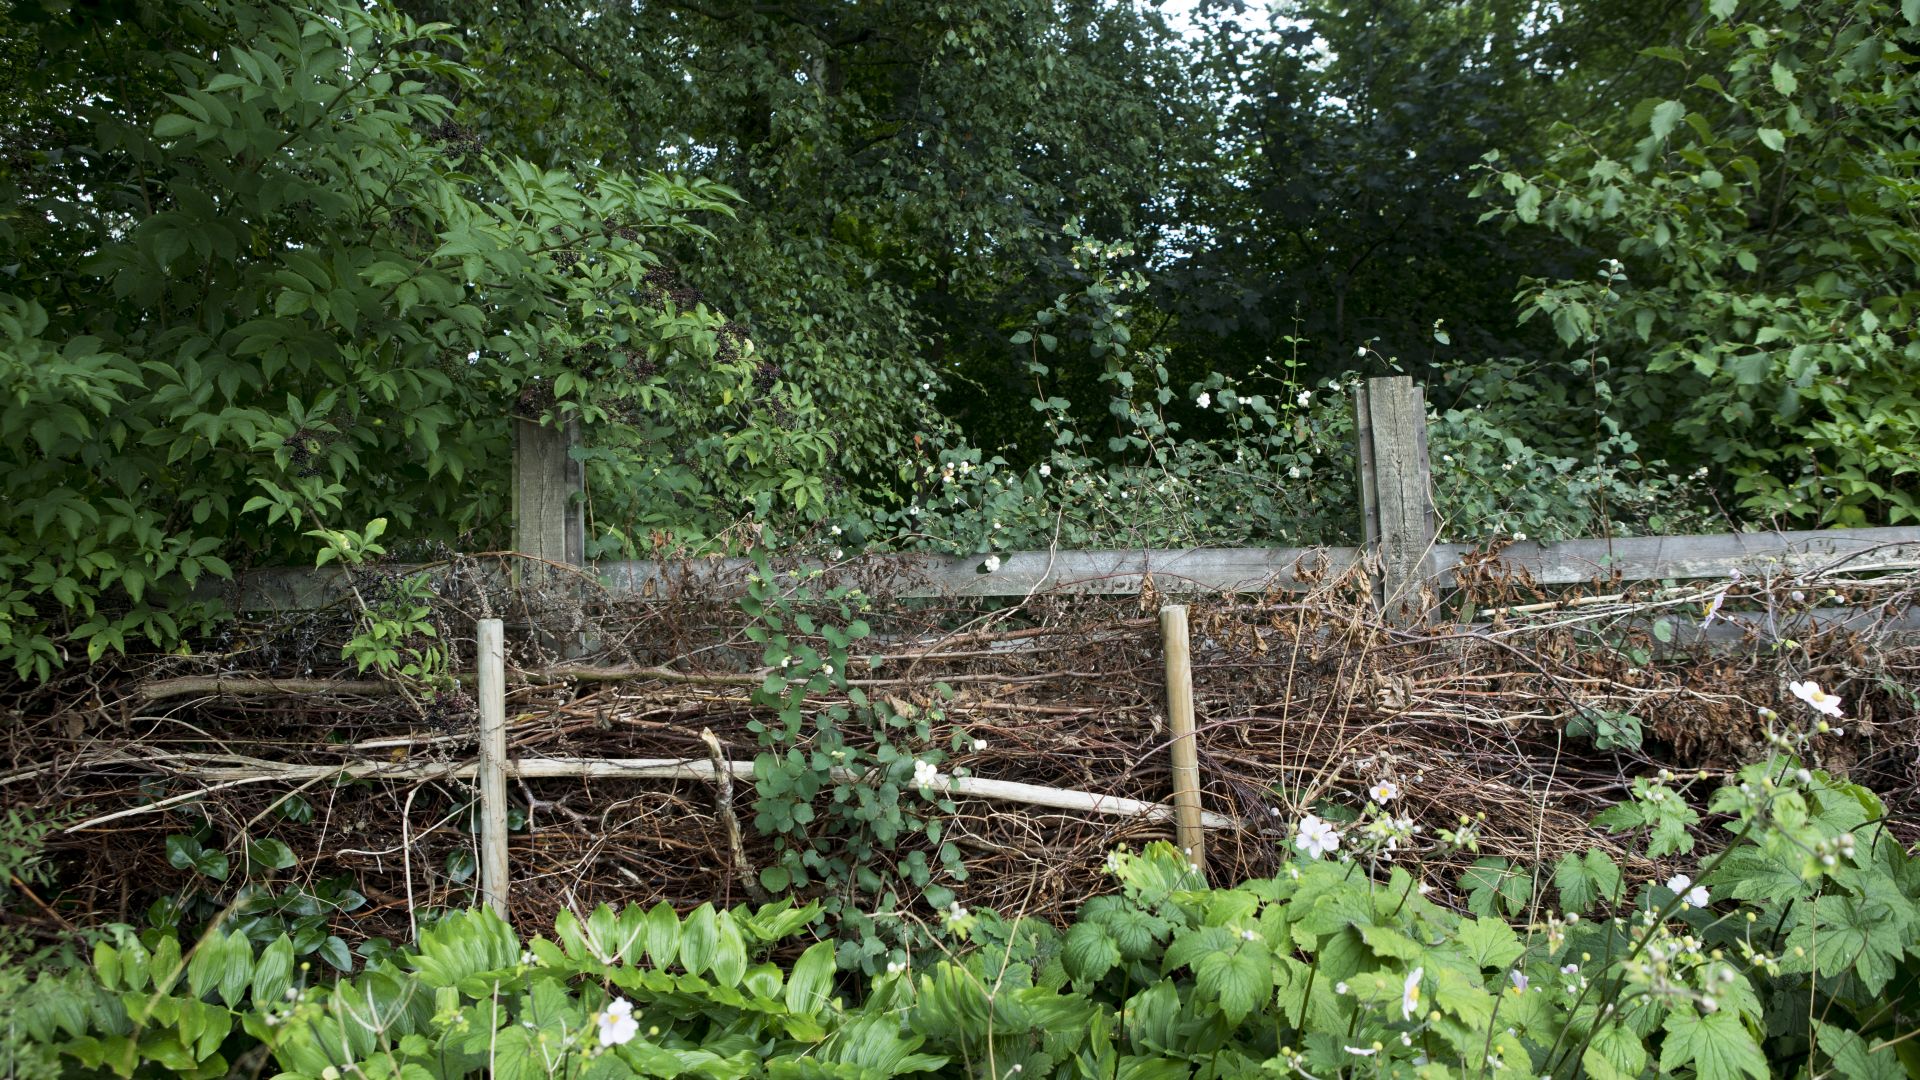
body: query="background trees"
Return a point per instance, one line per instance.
(270, 277)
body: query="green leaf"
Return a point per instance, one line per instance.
(1239, 978)
(273, 973)
(1666, 116)
(1615, 1054)
(1089, 953)
(1718, 1046)
(1773, 138)
(811, 982)
(334, 951)
(270, 855)
(1852, 1057)
(699, 939)
(1583, 879)
(1784, 80)
(1490, 943)
(663, 935)
(729, 951)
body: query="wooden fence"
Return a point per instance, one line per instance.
(1399, 550)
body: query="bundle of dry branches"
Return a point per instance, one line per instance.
(1302, 699)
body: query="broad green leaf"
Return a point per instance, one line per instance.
(1666, 116)
(1717, 1045)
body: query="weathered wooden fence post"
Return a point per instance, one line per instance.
(1188, 830)
(549, 515)
(492, 690)
(1396, 490)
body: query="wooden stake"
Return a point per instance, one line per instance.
(493, 764)
(1189, 833)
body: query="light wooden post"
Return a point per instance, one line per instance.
(549, 516)
(1188, 830)
(1396, 489)
(492, 686)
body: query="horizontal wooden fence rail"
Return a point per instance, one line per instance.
(1240, 570)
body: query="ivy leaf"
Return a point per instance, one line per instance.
(1718, 1046)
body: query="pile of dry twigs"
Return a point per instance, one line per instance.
(1302, 697)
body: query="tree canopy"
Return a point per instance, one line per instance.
(964, 274)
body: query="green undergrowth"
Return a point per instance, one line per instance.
(1785, 945)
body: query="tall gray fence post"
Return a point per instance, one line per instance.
(549, 514)
(1396, 490)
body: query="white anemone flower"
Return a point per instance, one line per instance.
(1315, 837)
(1811, 693)
(1384, 792)
(1410, 993)
(617, 1025)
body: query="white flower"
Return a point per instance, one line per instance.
(1316, 837)
(472, 356)
(992, 563)
(827, 670)
(1384, 792)
(1304, 398)
(1204, 400)
(954, 915)
(1046, 470)
(925, 774)
(1519, 536)
(1340, 988)
(617, 1025)
(1690, 894)
(979, 745)
(836, 530)
(1410, 993)
(1248, 935)
(1811, 693)
(1293, 472)
(1519, 980)
(895, 967)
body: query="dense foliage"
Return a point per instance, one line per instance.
(1004, 273)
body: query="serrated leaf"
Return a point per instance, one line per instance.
(1853, 1058)
(1615, 1054)
(1238, 979)
(1490, 943)
(1089, 953)
(1718, 1046)
(1666, 116)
